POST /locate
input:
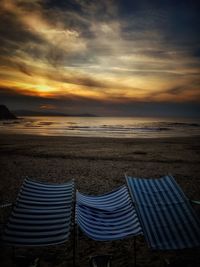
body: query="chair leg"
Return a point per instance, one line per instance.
(100, 261)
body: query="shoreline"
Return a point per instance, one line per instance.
(2, 134)
(106, 127)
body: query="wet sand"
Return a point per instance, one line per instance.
(98, 165)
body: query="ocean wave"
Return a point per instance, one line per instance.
(104, 127)
(114, 128)
(179, 124)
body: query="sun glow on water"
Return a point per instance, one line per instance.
(124, 127)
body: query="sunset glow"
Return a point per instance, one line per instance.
(95, 54)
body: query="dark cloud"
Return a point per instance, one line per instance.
(67, 104)
(85, 81)
(196, 52)
(18, 39)
(24, 69)
(176, 90)
(70, 4)
(13, 34)
(177, 21)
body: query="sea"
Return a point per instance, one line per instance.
(116, 127)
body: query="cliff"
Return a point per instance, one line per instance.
(5, 114)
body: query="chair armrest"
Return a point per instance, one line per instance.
(194, 201)
(6, 205)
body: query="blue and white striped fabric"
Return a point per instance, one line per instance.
(167, 219)
(111, 201)
(41, 215)
(107, 217)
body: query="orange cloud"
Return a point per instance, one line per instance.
(48, 107)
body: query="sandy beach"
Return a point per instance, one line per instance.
(98, 165)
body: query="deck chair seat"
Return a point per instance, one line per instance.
(107, 217)
(41, 215)
(167, 218)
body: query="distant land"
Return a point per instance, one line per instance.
(50, 113)
(5, 113)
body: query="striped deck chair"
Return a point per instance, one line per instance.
(41, 215)
(107, 217)
(167, 218)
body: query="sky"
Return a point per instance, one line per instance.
(105, 57)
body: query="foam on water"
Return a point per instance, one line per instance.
(102, 127)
